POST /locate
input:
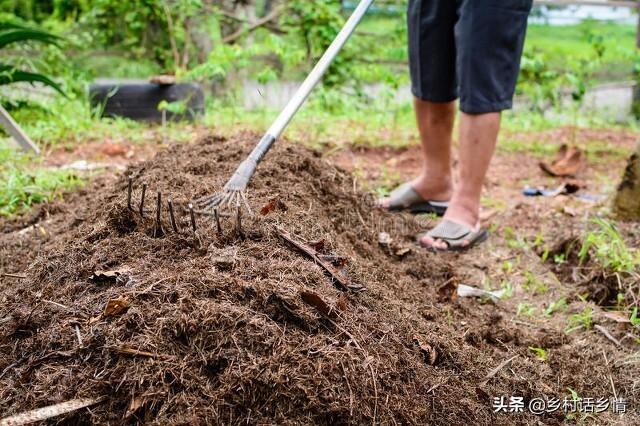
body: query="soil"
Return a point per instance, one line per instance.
(243, 327)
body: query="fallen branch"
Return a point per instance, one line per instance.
(338, 279)
(51, 411)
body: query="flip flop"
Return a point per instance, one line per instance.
(455, 235)
(405, 198)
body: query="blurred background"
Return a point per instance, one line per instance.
(77, 79)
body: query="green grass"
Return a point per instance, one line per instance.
(25, 182)
(560, 43)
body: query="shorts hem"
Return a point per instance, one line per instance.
(485, 108)
(433, 98)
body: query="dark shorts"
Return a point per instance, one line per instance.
(467, 49)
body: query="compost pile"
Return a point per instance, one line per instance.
(244, 326)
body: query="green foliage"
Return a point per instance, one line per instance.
(556, 306)
(13, 34)
(608, 248)
(580, 320)
(25, 185)
(540, 353)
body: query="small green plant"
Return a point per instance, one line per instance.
(580, 321)
(525, 309)
(540, 353)
(507, 287)
(635, 321)
(533, 283)
(556, 306)
(608, 248)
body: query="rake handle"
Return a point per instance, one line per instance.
(314, 77)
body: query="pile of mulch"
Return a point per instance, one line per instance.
(244, 327)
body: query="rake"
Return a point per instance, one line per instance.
(233, 193)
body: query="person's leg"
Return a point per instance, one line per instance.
(478, 135)
(489, 38)
(432, 62)
(435, 124)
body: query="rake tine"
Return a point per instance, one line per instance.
(172, 217)
(246, 203)
(193, 217)
(217, 216)
(205, 200)
(214, 202)
(157, 229)
(144, 191)
(129, 193)
(239, 220)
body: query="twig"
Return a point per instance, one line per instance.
(59, 305)
(338, 279)
(134, 352)
(350, 391)
(607, 334)
(375, 391)
(259, 23)
(613, 387)
(78, 335)
(495, 371)
(18, 276)
(45, 413)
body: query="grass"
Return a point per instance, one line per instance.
(607, 247)
(572, 41)
(26, 183)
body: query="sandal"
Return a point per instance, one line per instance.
(405, 198)
(458, 237)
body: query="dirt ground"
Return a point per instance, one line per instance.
(244, 327)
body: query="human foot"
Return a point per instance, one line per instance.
(419, 196)
(459, 230)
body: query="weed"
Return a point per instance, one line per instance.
(581, 320)
(534, 284)
(525, 309)
(558, 305)
(608, 248)
(540, 353)
(25, 185)
(635, 321)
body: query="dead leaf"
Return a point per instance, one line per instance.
(317, 302)
(568, 162)
(272, 205)
(135, 404)
(617, 316)
(428, 351)
(113, 149)
(319, 245)
(447, 291)
(402, 252)
(116, 307)
(342, 302)
(106, 276)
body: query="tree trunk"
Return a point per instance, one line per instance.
(627, 201)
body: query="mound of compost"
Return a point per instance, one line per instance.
(302, 314)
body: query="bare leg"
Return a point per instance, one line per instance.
(435, 124)
(478, 135)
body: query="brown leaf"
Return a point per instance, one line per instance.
(113, 149)
(272, 205)
(617, 316)
(568, 162)
(342, 302)
(447, 291)
(429, 352)
(116, 307)
(105, 276)
(402, 252)
(317, 302)
(318, 246)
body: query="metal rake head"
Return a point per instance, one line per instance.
(226, 199)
